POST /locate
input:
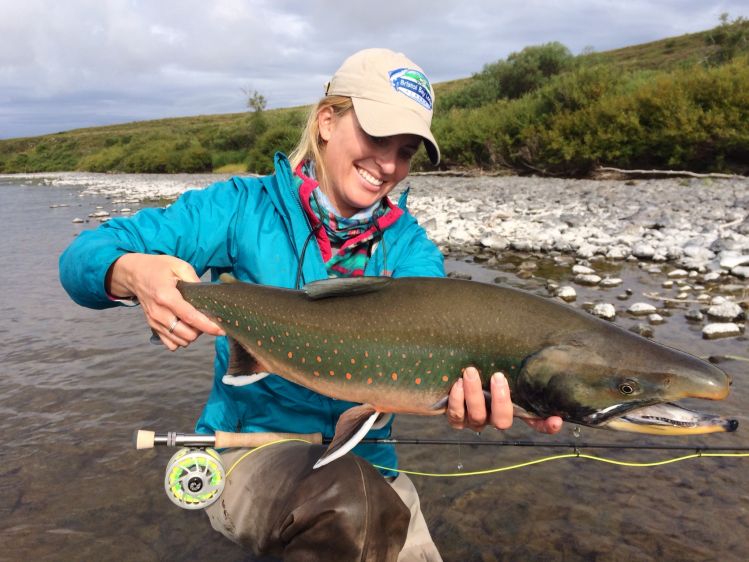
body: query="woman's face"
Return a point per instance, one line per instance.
(361, 169)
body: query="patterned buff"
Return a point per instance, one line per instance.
(345, 243)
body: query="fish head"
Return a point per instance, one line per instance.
(626, 384)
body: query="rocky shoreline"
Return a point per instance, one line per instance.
(694, 232)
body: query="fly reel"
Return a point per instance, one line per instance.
(194, 478)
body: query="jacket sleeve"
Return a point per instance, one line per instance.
(197, 228)
(419, 257)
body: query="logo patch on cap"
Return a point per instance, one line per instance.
(413, 84)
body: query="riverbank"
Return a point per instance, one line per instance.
(696, 224)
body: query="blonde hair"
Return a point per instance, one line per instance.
(311, 145)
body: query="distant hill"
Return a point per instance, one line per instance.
(676, 102)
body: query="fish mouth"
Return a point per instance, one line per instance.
(669, 419)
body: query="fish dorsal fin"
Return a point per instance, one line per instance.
(351, 428)
(345, 286)
(228, 278)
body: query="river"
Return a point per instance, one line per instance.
(76, 383)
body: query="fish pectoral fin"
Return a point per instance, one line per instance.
(241, 362)
(243, 380)
(345, 286)
(522, 413)
(382, 421)
(352, 426)
(228, 278)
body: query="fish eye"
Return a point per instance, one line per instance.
(628, 387)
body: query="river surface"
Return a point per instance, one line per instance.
(76, 383)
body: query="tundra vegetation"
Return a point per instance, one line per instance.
(677, 103)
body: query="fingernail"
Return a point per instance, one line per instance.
(498, 378)
(471, 375)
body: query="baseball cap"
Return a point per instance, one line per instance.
(390, 93)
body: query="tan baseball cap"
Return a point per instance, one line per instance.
(391, 95)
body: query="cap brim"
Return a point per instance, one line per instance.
(383, 120)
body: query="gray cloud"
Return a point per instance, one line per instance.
(86, 62)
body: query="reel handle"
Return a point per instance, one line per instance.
(145, 439)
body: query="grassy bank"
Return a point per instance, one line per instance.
(681, 102)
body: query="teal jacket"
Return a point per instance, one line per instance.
(255, 229)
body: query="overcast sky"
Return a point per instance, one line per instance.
(80, 63)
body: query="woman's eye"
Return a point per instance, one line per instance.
(376, 140)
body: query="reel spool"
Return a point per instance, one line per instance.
(194, 478)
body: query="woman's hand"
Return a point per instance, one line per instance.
(466, 405)
(153, 280)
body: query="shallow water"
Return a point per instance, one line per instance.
(76, 383)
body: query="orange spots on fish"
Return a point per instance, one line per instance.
(394, 376)
(318, 359)
(286, 334)
(273, 339)
(366, 354)
(316, 373)
(353, 361)
(418, 381)
(335, 352)
(369, 380)
(348, 376)
(389, 354)
(304, 359)
(260, 343)
(332, 373)
(445, 378)
(431, 355)
(290, 355)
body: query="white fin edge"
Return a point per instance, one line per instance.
(351, 443)
(243, 380)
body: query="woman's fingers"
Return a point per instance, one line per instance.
(501, 415)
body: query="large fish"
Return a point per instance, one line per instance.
(398, 345)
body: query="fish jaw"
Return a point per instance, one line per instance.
(669, 419)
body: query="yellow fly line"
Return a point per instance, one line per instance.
(575, 455)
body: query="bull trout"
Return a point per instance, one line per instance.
(398, 345)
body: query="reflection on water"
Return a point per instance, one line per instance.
(76, 383)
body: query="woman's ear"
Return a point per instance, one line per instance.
(325, 123)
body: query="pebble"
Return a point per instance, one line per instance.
(589, 279)
(742, 272)
(656, 319)
(720, 330)
(611, 282)
(78, 220)
(677, 273)
(694, 315)
(604, 310)
(711, 277)
(725, 311)
(567, 293)
(644, 330)
(98, 214)
(643, 251)
(578, 269)
(667, 284)
(641, 309)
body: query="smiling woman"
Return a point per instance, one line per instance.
(356, 148)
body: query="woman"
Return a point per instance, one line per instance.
(356, 147)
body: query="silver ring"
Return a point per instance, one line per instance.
(173, 325)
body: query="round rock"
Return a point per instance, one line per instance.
(720, 330)
(604, 310)
(641, 309)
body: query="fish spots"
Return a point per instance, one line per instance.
(353, 361)
(331, 373)
(260, 343)
(366, 354)
(418, 380)
(316, 373)
(290, 355)
(445, 378)
(394, 376)
(318, 359)
(369, 380)
(348, 376)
